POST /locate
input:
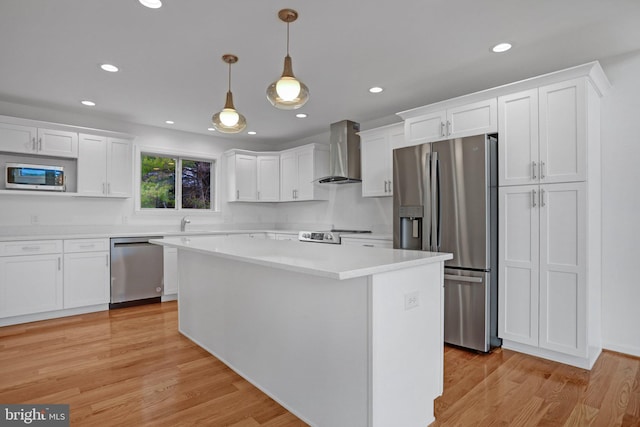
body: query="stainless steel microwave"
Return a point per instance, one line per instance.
(35, 177)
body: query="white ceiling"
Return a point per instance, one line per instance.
(420, 51)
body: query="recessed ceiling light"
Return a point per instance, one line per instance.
(151, 4)
(251, 132)
(110, 68)
(501, 47)
(211, 129)
(376, 89)
(169, 122)
(301, 116)
(88, 103)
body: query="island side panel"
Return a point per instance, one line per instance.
(407, 347)
(301, 339)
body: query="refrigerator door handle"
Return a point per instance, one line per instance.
(463, 278)
(435, 202)
(426, 225)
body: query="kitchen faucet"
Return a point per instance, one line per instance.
(184, 222)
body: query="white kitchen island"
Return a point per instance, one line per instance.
(339, 335)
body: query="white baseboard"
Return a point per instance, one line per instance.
(630, 350)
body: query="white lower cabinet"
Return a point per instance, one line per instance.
(543, 282)
(32, 282)
(170, 267)
(86, 272)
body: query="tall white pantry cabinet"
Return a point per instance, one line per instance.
(550, 219)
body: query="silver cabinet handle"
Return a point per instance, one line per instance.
(542, 203)
(541, 170)
(448, 127)
(390, 187)
(107, 260)
(385, 187)
(33, 144)
(59, 263)
(368, 246)
(441, 128)
(533, 198)
(533, 169)
(88, 246)
(30, 248)
(258, 195)
(39, 144)
(237, 194)
(108, 188)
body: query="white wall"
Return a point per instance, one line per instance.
(621, 205)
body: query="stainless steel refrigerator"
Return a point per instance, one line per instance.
(445, 199)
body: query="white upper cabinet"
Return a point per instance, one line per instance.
(241, 177)
(376, 152)
(104, 166)
(253, 177)
(57, 143)
(18, 138)
(299, 169)
(563, 131)
(543, 134)
(268, 178)
(455, 122)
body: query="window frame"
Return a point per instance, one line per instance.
(179, 156)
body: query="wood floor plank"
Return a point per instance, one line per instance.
(131, 367)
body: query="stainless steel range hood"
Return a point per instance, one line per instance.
(344, 154)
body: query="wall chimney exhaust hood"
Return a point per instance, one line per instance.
(344, 154)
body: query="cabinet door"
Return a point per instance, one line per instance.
(563, 287)
(58, 143)
(170, 266)
(518, 162)
(30, 284)
(119, 167)
(92, 171)
(518, 264)
(563, 127)
(430, 127)
(472, 119)
(288, 175)
(306, 171)
(246, 180)
(86, 279)
(375, 153)
(17, 138)
(268, 169)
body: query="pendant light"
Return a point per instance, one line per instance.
(288, 93)
(229, 120)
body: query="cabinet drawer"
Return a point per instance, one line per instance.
(30, 247)
(373, 243)
(86, 245)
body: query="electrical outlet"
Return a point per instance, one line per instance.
(411, 300)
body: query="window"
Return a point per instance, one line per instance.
(175, 182)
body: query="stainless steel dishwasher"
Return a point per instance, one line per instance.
(136, 271)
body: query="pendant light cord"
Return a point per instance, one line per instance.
(287, 38)
(229, 76)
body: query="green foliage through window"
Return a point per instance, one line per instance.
(158, 182)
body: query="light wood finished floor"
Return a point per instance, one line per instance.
(130, 367)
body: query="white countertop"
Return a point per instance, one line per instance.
(367, 236)
(332, 261)
(59, 233)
